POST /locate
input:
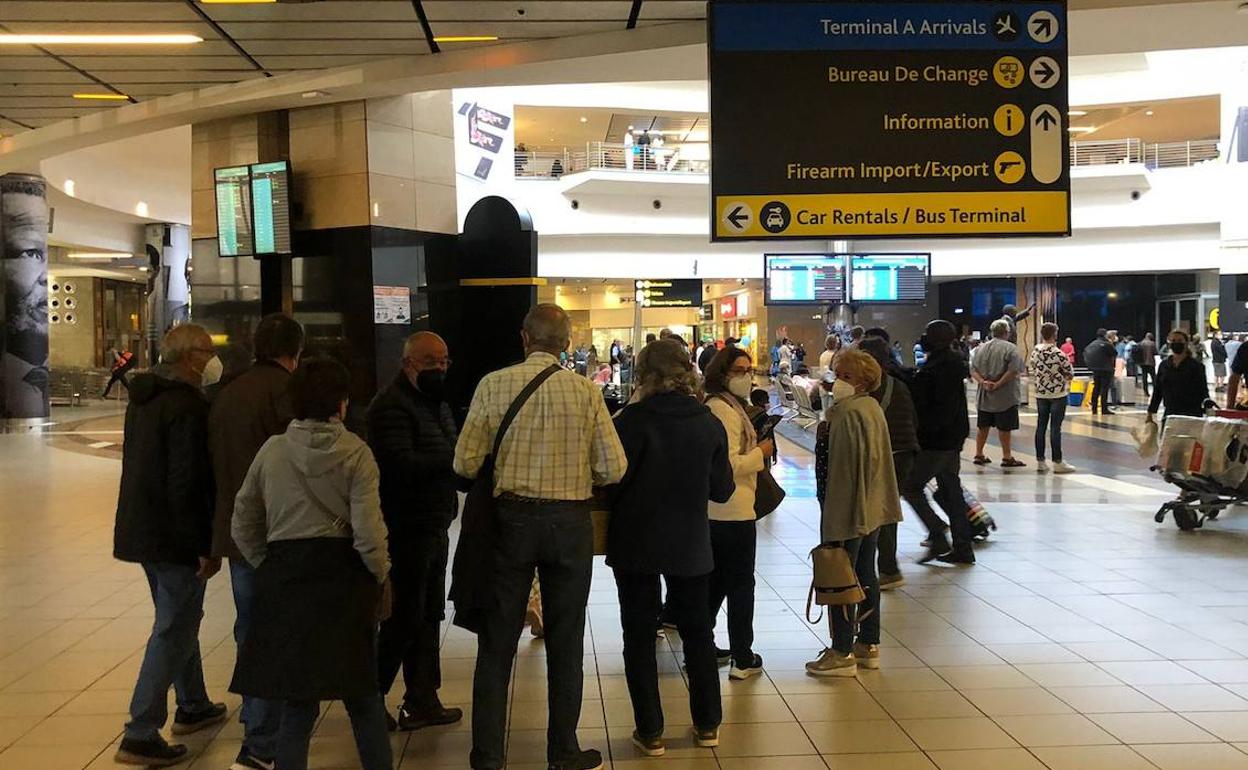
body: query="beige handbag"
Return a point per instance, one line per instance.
(835, 581)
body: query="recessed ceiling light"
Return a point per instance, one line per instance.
(314, 94)
(1148, 113)
(98, 255)
(235, 2)
(69, 39)
(584, 119)
(103, 97)
(465, 38)
(140, 208)
(1081, 129)
(69, 187)
(1077, 113)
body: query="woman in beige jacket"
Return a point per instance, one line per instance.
(861, 497)
(734, 537)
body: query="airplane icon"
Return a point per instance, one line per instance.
(1007, 26)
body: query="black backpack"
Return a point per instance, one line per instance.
(1094, 354)
(1137, 354)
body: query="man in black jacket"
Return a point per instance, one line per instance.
(412, 434)
(1101, 357)
(939, 391)
(254, 407)
(164, 522)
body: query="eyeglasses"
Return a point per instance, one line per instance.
(430, 363)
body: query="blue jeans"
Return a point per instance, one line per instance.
(172, 655)
(862, 556)
(260, 717)
(1050, 411)
(368, 723)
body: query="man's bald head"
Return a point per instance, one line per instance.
(424, 351)
(547, 328)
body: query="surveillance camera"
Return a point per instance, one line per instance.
(575, 204)
(658, 204)
(1135, 195)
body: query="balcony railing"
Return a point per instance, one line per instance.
(613, 156)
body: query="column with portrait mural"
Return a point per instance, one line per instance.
(168, 249)
(24, 391)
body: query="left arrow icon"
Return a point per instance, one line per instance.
(737, 217)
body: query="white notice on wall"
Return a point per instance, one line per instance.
(392, 305)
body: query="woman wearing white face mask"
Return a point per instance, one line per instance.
(729, 379)
(861, 497)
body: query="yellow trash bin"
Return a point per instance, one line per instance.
(1078, 391)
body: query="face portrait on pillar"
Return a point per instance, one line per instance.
(25, 231)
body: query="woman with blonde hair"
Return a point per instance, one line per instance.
(861, 497)
(677, 463)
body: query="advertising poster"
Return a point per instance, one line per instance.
(24, 381)
(392, 305)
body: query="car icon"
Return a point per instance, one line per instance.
(775, 217)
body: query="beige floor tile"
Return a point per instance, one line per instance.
(1054, 730)
(13, 728)
(793, 683)
(1016, 701)
(1067, 675)
(34, 704)
(1194, 757)
(905, 679)
(956, 655)
(1104, 652)
(925, 705)
(98, 703)
(685, 764)
(1195, 697)
(908, 761)
(619, 713)
(1151, 728)
(812, 762)
(680, 746)
(956, 734)
(740, 709)
(984, 677)
(1092, 758)
(1017, 654)
(763, 740)
(64, 756)
(1107, 700)
(865, 737)
(1151, 672)
(835, 707)
(986, 759)
(426, 748)
(1227, 725)
(56, 730)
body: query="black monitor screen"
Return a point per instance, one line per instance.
(805, 279)
(889, 277)
(270, 195)
(233, 192)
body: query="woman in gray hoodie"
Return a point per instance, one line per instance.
(308, 517)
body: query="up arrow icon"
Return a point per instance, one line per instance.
(1047, 162)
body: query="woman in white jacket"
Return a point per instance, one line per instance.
(734, 537)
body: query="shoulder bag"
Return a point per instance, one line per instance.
(470, 583)
(835, 582)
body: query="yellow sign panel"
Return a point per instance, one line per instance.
(887, 214)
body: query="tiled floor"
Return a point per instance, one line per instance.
(1087, 637)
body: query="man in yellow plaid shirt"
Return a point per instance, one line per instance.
(561, 445)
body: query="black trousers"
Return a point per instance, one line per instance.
(410, 638)
(557, 540)
(903, 462)
(733, 545)
(1101, 382)
(686, 605)
(1148, 372)
(944, 466)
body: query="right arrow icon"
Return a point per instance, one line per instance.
(1045, 72)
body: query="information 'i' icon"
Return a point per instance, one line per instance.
(1009, 120)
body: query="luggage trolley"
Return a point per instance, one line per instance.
(1207, 459)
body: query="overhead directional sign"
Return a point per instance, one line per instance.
(679, 292)
(888, 119)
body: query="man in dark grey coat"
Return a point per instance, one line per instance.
(412, 434)
(252, 408)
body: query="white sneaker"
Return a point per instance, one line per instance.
(832, 663)
(1064, 467)
(1042, 466)
(754, 669)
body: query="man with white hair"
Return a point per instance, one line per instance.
(560, 446)
(412, 435)
(164, 523)
(996, 368)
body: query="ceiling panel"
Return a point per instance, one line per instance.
(335, 30)
(97, 10)
(327, 10)
(205, 77)
(212, 46)
(547, 10)
(319, 60)
(28, 63)
(119, 62)
(44, 76)
(261, 48)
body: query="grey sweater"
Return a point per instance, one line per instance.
(338, 468)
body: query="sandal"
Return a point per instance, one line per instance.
(1012, 462)
(981, 460)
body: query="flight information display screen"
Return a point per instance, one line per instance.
(805, 279)
(270, 196)
(889, 277)
(233, 193)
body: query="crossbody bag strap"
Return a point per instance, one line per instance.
(887, 398)
(337, 521)
(519, 402)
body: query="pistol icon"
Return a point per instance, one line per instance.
(1006, 165)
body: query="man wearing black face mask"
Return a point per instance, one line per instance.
(412, 434)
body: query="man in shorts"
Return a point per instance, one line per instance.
(996, 368)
